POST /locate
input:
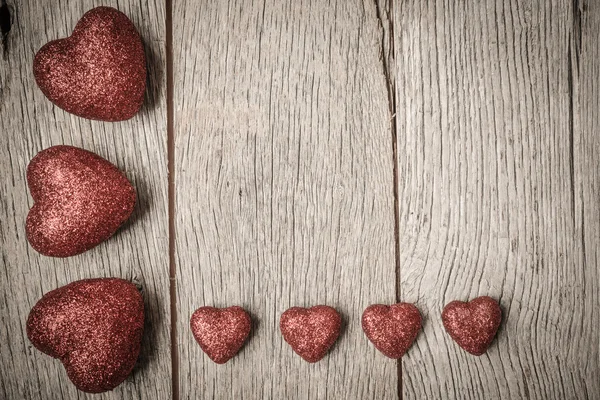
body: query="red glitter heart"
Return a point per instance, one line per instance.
(99, 72)
(220, 332)
(94, 326)
(80, 200)
(392, 329)
(311, 331)
(473, 325)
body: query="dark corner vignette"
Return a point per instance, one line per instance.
(5, 25)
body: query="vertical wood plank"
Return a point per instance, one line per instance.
(493, 198)
(139, 251)
(284, 189)
(585, 58)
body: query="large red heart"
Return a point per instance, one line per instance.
(99, 72)
(310, 331)
(473, 325)
(80, 200)
(94, 326)
(392, 329)
(220, 333)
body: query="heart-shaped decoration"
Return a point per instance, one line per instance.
(94, 326)
(473, 325)
(80, 200)
(311, 331)
(392, 329)
(220, 332)
(99, 72)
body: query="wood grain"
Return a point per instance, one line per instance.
(498, 192)
(139, 251)
(285, 116)
(284, 189)
(585, 56)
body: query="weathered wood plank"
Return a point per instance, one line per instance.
(585, 51)
(139, 251)
(284, 189)
(498, 194)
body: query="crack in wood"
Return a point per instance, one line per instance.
(573, 55)
(578, 8)
(387, 57)
(571, 131)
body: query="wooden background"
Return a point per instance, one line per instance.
(342, 152)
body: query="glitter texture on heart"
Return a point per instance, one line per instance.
(80, 200)
(392, 329)
(221, 333)
(99, 72)
(94, 326)
(311, 331)
(473, 325)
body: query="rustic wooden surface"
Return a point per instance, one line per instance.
(139, 251)
(498, 155)
(294, 127)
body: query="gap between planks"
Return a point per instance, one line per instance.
(171, 206)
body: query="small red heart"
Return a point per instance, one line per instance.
(473, 325)
(392, 329)
(99, 72)
(80, 200)
(94, 326)
(220, 332)
(311, 331)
